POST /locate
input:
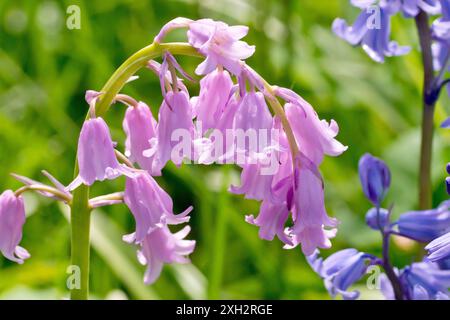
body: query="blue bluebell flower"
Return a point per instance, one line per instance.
(375, 178)
(420, 281)
(341, 270)
(371, 30)
(425, 225)
(439, 249)
(426, 281)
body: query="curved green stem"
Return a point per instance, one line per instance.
(80, 209)
(133, 64)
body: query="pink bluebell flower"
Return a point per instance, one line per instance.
(221, 45)
(215, 91)
(312, 227)
(151, 206)
(163, 247)
(217, 41)
(271, 221)
(254, 183)
(315, 137)
(96, 157)
(12, 219)
(140, 129)
(262, 162)
(252, 119)
(175, 115)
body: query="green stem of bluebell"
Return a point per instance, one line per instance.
(80, 242)
(218, 252)
(80, 209)
(425, 185)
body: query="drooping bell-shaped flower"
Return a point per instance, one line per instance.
(175, 126)
(150, 205)
(96, 156)
(215, 90)
(163, 247)
(12, 219)
(439, 249)
(425, 281)
(277, 204)
(371, 31)
(254, 184)
(315, 137)
(220, 43)
(425, 225)
(260, 167)
(312, 227)
(271, 221)
(140, 128)
(341, 270)
(252, 125)
(375, 178)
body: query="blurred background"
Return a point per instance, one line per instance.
(45, 69)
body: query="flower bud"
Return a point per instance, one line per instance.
(377, 219)
(375, 178)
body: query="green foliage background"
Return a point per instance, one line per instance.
(45, 69)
